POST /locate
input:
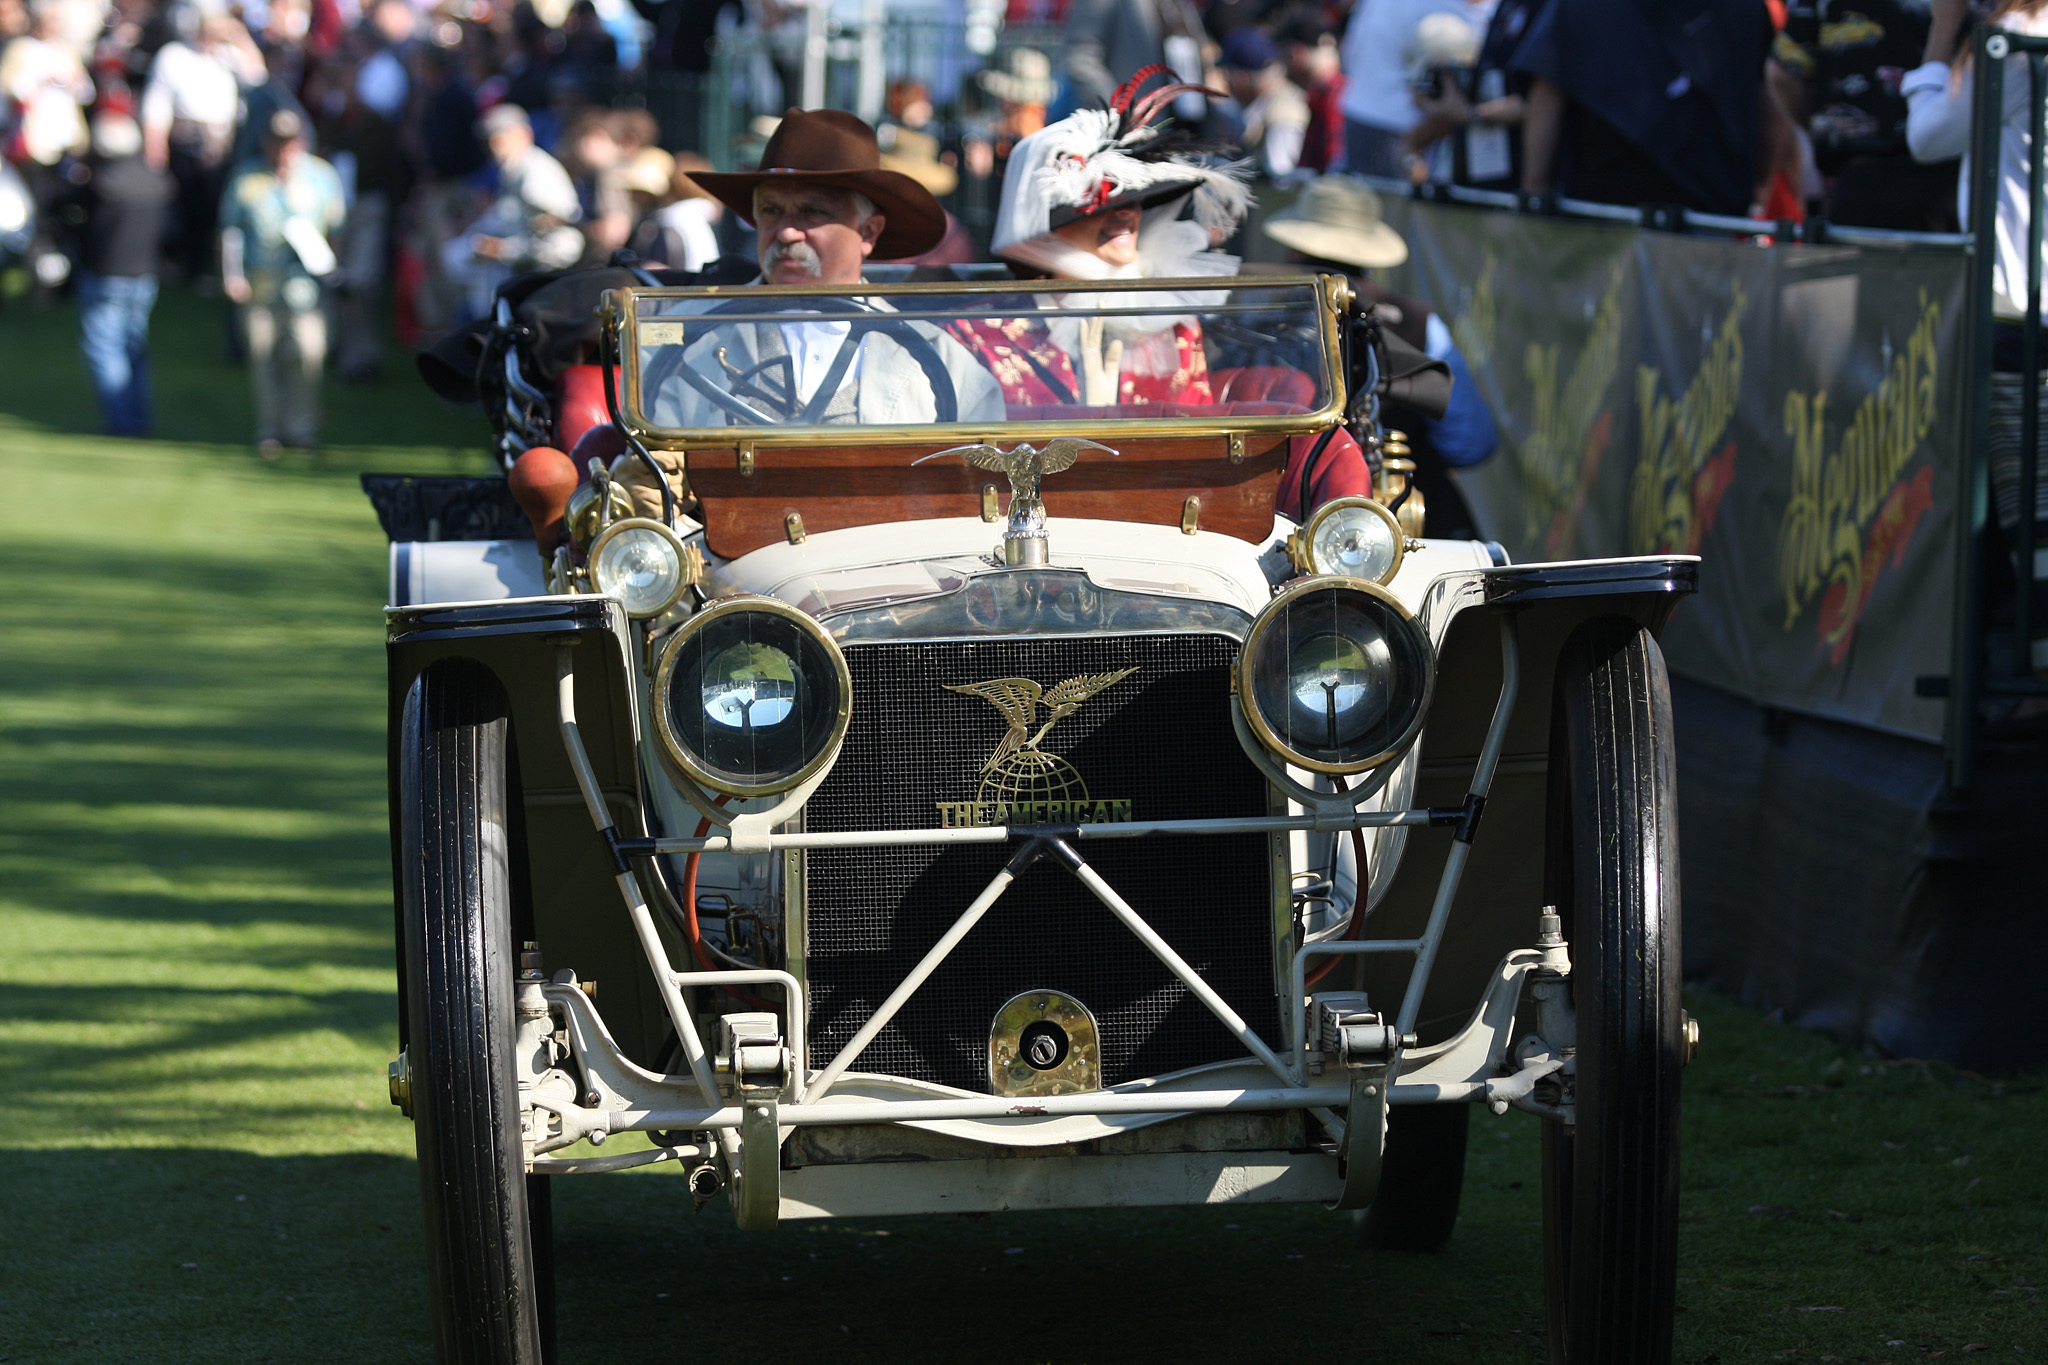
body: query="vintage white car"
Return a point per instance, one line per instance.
(1013, 807)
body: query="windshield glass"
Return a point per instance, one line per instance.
(1243, 353)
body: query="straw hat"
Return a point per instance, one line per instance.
(832, 149)
(1028, 80)
(682, 184)
(916, 155)
(650, 172)
(1338, 219)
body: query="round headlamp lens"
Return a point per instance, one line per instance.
(641, 563)
(1340, 686)
(752, 697)
(1335, 676)
(1356, 542)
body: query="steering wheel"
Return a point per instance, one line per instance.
(945, 400)
(1234, 343)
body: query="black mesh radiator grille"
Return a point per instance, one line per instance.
(1160, 738)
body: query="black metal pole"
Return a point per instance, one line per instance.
(2030, 370)
(1972, 469)
(2030, 386)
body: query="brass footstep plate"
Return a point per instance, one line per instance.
(1044, 1043)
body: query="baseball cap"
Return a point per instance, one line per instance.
(502, 118)
(1249, 49)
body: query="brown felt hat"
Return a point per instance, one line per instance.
(829, 148)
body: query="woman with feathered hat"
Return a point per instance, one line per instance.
(1100, 195)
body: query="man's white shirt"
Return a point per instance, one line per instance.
(812, 348)
(204, 87)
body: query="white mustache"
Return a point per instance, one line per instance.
(799, 254)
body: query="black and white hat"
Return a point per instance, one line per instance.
(1095, 160)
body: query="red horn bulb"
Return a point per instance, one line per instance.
(541, 481)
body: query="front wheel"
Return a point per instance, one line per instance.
(1610, 1181)
(455, 778)
(1422, 1177)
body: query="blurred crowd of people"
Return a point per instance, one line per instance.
(338, 168)
(331, 167)
(1782, 109)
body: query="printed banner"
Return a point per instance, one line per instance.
(1793, 415)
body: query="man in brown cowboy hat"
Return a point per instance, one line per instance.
(822, 204)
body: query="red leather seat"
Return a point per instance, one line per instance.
(1264, 383)
(579, 404)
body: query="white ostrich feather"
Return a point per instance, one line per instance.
(1224, 197)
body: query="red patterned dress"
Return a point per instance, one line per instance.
(1033, 370)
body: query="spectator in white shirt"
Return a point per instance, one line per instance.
(1939, 96)
(1379, 105)
(46, 89)
(529, 226)
(189, 113)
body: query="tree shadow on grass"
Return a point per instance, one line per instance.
(225, 763)
(201, 1018)
(281, 1059)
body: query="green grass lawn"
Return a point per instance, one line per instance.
(196, 1008)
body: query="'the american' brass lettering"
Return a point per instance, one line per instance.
(980, 814)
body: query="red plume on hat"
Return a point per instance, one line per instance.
(833, 149)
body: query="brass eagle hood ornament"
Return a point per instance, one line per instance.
(1024, 531)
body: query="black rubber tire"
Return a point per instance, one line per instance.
(455, 783)
(1610, 1183)
(1422, 1178)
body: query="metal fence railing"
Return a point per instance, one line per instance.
(1671, 218)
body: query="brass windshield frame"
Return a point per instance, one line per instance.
(620, 311)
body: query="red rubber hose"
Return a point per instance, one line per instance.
(695, 935)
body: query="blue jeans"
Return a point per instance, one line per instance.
(113, 327)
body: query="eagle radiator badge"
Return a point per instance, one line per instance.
(1021, 784)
